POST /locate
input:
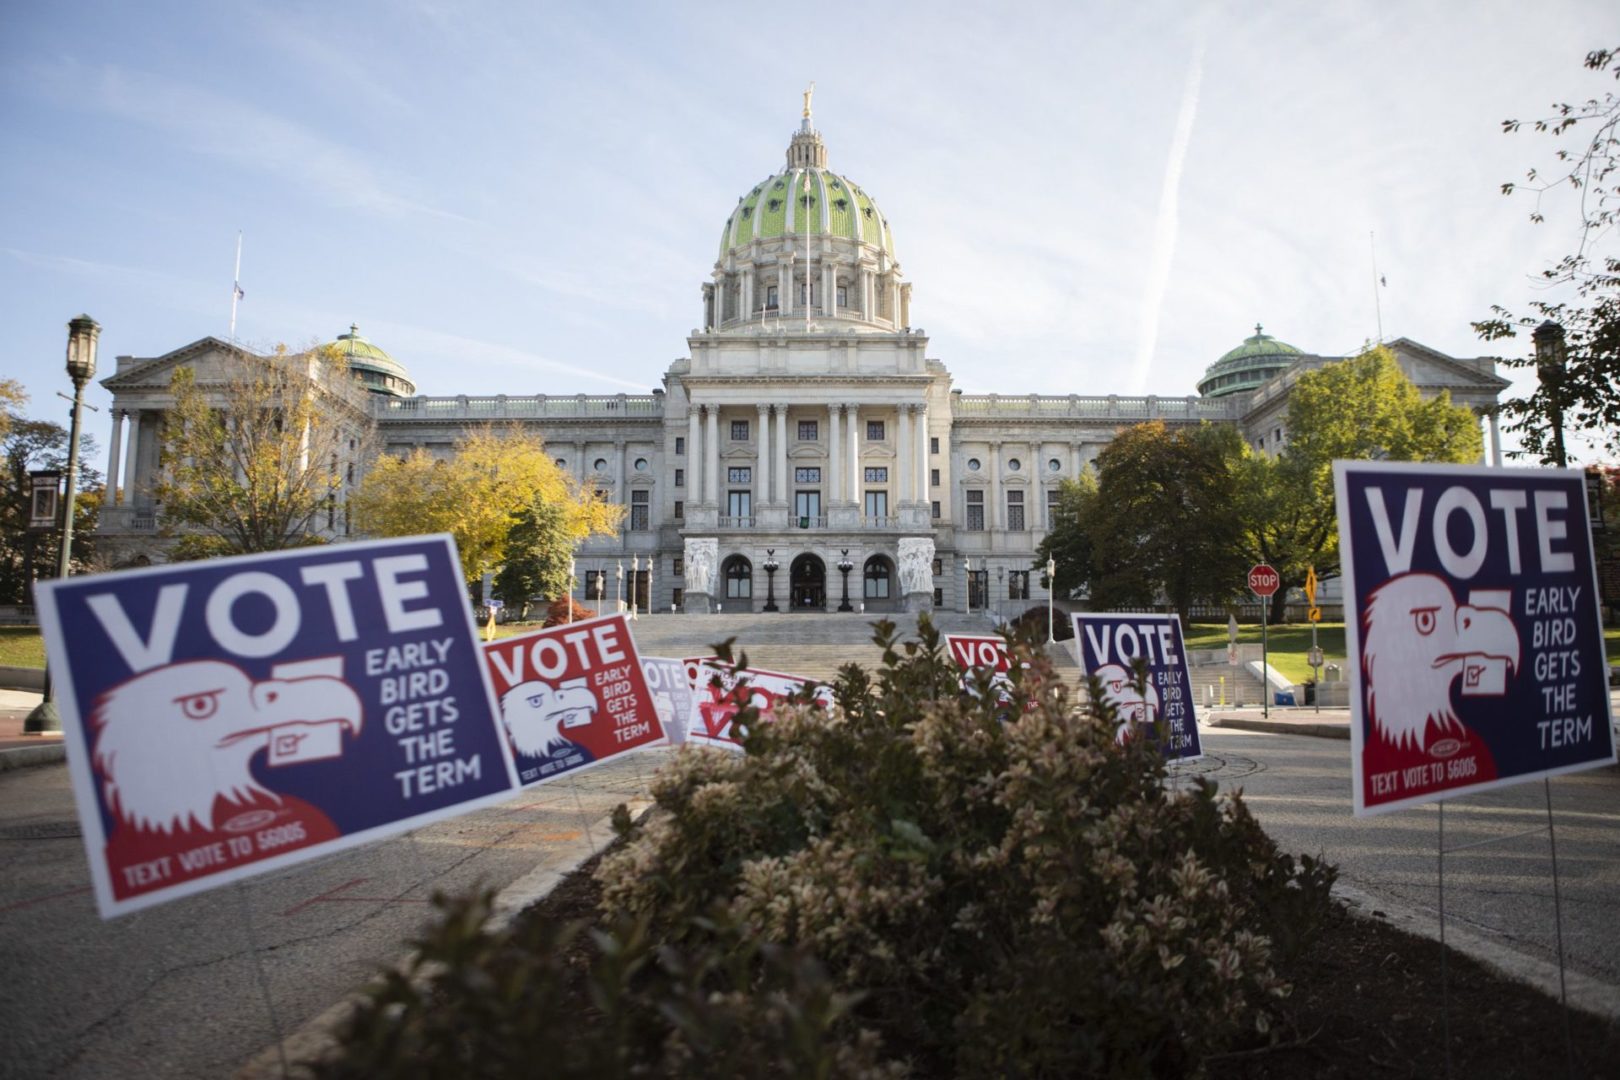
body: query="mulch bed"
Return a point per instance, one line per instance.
(1366, 1003)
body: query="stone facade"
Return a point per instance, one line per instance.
(809, 427)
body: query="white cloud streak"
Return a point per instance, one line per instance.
(1169, 222)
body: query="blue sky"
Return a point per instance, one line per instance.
(526, 198)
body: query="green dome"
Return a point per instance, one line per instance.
(1247, 366)
(778, 206)
(380, 373)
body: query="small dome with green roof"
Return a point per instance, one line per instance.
(379, 372)
(1242, 369)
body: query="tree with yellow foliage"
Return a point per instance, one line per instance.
(501, 496)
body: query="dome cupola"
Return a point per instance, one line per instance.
(376, 370)
(1247, 366)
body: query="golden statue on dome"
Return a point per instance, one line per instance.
(807, 95)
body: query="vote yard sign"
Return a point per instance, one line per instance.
(720, 691)
(974, 651)
(233, 716)
(1473, 629)
(572, 696)
(1110, 644)
(672, 695)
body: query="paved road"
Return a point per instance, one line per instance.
(173, 991)
(1299, 788)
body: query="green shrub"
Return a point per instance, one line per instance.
(1019, 898)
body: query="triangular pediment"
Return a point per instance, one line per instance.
(1430, 367)
(156, 371)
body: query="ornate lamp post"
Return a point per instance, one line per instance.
(771, 567)
(635, 568)
(967, 571)
(1001, 577)
(601, 587)
(844, 567)
(570, 589)
(83, 333)
(618, 586)
(1051, 595)
(1549, 341)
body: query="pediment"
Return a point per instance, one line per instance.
(200, 355)
(1429, 367)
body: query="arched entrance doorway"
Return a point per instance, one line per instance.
(807, 583)
(738, 575)
(877, 584)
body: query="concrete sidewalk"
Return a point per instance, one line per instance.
(16, 749)
(1283, 720)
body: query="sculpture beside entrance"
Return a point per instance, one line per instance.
(917, 572)
(701, 553)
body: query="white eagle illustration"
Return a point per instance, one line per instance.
(171, 741)
(537, 714)
(1417, 640)
(1119, 689)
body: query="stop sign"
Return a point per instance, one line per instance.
(1263, 580)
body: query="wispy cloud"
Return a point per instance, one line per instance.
(1164, 233)
(227, 128)
(470, 352)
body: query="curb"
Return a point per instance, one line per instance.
(319, 1034)
(1585, 993)
(24, 757)
(1275, 727)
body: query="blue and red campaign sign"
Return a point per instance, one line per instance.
(1473, 628)
(1109, 647)
(720, 691)
(672, 695)
(572, 696)
(228, 717)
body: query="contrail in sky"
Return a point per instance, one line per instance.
(1164, 233)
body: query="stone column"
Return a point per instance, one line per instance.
(924, 492)
(902, 486)
(132, 455)
(748, 293)
(829, 288)
(1074, 461)
(997, 512)
(694, 440)
(853, 470)
(618, 473)
(835, 457)
(1496, 440)
(762, 484)
(711, 457)
(780, 494)
(783, 280)
(112, 459)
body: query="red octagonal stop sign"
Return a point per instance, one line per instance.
(1263, 580)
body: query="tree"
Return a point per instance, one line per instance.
(498, 481)
(255, 455)
(1163, 524)
(25, 445)
(538, 550)
(1361, 408)
(1586, 395)
(1067, 543)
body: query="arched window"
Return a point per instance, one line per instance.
(739, 574)
(877, 578)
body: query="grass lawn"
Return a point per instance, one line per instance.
(21, 646)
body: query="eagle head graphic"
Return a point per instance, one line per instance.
(537, 714)
(1133, 709)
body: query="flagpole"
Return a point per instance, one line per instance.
(236, 285)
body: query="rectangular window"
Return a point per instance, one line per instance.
(975, 511)
(933, 444)
(740, 504)
(680, 477)
(739, 431)
(739, 587)
(807, 475)
(677, 566)
(1051, 506)
(771, 298)
(680, 444)
(874, 431)
(939, 567)
(1015, 511)
(680, 510)
(740, 474)
(807, 507)
(939, 598)
(933, 478)
(877, 475)
(1018, 585)
(639, 510)
(877, 504)
(677, 597)
(843, 296)
(936, 508)
(809, 430)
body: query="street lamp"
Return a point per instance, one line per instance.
(635, 569)
(601, 587)
(844, 567)
(1051, 595)
(771, 567)
(571, 589)
(967, 570)
(1549, 341)
(83, 333)
(618, 587)
(1001, 577)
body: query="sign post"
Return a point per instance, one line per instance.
(1263, 582)
(1315, 654)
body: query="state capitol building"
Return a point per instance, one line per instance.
(808, 430)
